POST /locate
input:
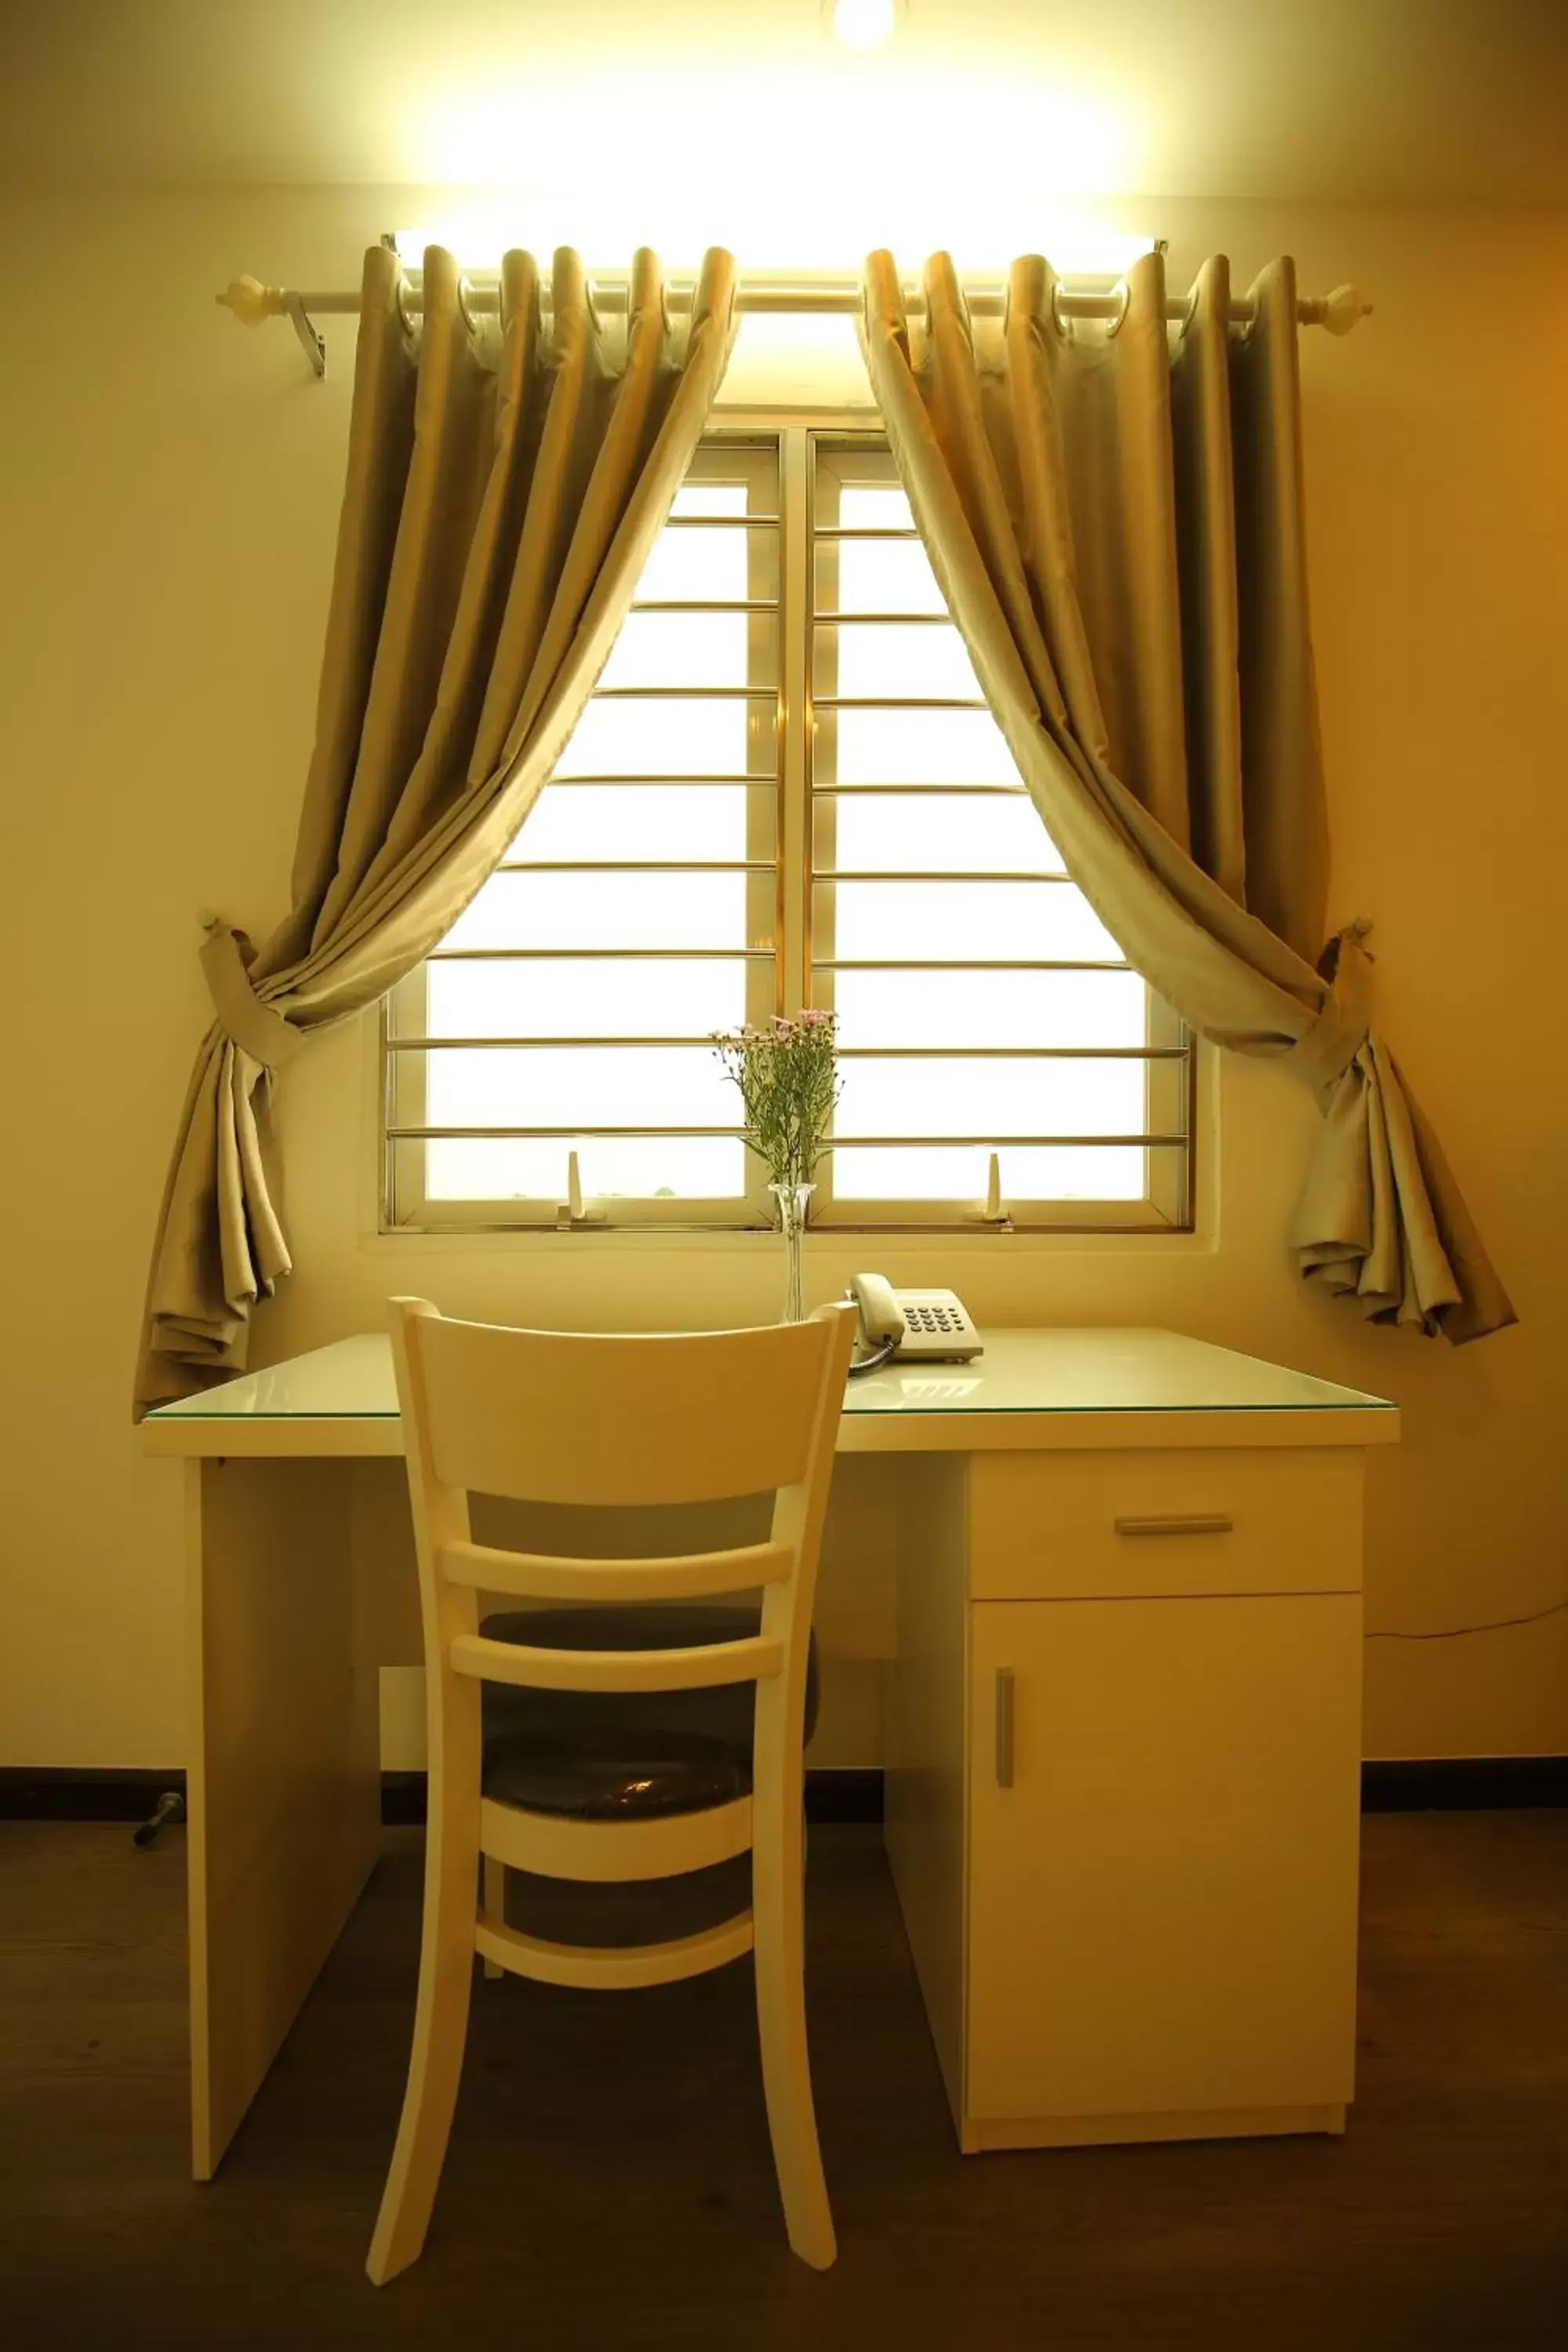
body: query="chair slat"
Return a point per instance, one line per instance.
(568, 1417)
(614, 1968)
(756, 1659)
(550, 1576)
(554, 1845)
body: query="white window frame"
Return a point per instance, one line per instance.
(789, 942)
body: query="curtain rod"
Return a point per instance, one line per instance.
(1098, 298)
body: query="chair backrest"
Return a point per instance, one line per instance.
(574, 1418)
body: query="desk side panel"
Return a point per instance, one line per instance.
(284, 1770)
(927, 1741)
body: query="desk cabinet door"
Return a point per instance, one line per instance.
(1162, 1904)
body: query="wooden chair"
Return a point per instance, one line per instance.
(563, 1419)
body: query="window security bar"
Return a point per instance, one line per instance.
(942, 965)
(964, 874)
(642, 865)
(558, 1043)
(767, 779)
(619, 955)
(838, 1143)
(937, 791)
(899, 702)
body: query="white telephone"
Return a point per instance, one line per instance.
(930, 1326)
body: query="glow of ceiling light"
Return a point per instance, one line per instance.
(864, 24)
(1020, 154)
(1080, 243)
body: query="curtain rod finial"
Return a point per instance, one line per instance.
(1344, 309)
(251, 301)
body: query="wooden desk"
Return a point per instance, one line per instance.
(1123, 1785)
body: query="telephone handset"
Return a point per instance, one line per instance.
(932, 1326)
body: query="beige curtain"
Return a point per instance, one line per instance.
(499, 506)
(1117, 522)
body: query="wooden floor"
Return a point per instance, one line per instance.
(609, 2183)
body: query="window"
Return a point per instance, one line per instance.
(786, 789)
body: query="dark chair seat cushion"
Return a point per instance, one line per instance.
(624, 1755)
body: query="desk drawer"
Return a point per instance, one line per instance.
(1086, 1526)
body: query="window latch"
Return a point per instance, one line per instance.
(572, 1212)
(992, 1211)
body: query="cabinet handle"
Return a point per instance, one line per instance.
(1187, 1523)
(1004, 1726)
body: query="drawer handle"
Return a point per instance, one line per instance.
(1189, 1523)
(1004, 1726)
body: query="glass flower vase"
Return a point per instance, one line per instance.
(793, 1200)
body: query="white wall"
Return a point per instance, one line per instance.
(168, 487)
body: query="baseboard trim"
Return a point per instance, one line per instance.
(402, 1799)
(63, 1793)
(66, 1793)
(836, 1793)
(832, 1793)
(844, 1793)
(1457, 1784)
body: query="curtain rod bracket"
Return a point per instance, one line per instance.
(310, 342)
(252, 302)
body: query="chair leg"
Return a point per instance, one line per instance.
(494, 1877)
(440, 2034)
(778, 1913)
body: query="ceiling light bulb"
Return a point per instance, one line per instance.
(863, 24)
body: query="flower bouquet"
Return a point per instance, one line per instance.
(787, 1074)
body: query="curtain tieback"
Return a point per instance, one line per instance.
(1325, 1052)
(248, 1024)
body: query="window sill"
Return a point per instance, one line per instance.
(846, 1242)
